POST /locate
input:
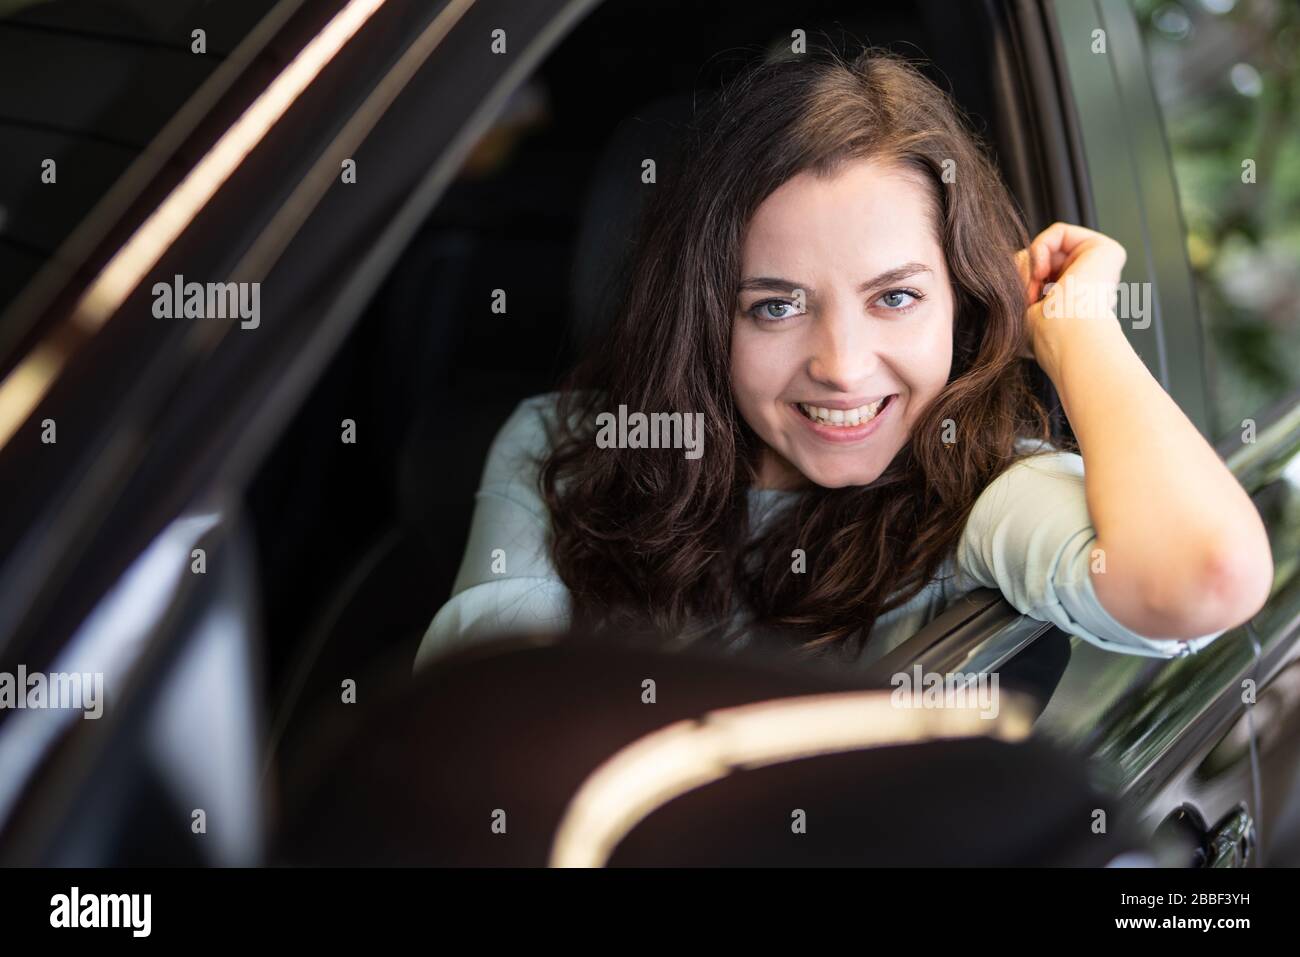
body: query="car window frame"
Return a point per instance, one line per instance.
(238, 435)
(29, 312)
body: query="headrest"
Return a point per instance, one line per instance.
(613, 205)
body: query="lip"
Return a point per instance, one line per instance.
(843, 434)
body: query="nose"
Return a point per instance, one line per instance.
(843, 351)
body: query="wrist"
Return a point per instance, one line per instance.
(1057, 339)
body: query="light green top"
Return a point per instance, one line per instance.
(1029, 535)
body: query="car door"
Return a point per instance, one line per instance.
(1193, 734)
(1202, 742)
(1224, 79)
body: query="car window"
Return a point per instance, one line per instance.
(1226, 74)
(493, 297)
(69, 133)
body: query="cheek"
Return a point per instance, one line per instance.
(759, 368)
(928, 360)
(939, 364)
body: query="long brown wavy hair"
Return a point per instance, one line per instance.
(649, 538)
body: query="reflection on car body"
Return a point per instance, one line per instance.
(327, 560)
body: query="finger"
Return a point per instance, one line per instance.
(1022, 265)
(1065, 236)
(1026, 278)
(1033, 284)
(1033, 255)
(1043, 252)
(1059, 261)
(1053, 262)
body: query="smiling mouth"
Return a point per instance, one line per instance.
(844, 418)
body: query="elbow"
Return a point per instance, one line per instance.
(1223, 585)
(1239, 576)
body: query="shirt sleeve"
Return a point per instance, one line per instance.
(1030, 536)
(506, 581)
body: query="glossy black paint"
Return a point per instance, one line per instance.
(165, 418)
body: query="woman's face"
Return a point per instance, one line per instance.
(843, 329)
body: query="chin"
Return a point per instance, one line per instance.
(839, 477)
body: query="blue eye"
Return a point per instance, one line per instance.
(900, 300)
(773, 310)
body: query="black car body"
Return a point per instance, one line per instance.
(325, 560)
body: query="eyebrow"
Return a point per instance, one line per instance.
(897, 274)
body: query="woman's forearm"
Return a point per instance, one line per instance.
(1182, 549)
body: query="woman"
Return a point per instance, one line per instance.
(838, 285)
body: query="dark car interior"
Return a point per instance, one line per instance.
(135, 71)
(355, 546)
(358, 544)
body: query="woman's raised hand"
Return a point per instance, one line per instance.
(1070, 275)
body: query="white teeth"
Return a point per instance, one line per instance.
(842, 417)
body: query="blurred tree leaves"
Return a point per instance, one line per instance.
(1227, 73)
